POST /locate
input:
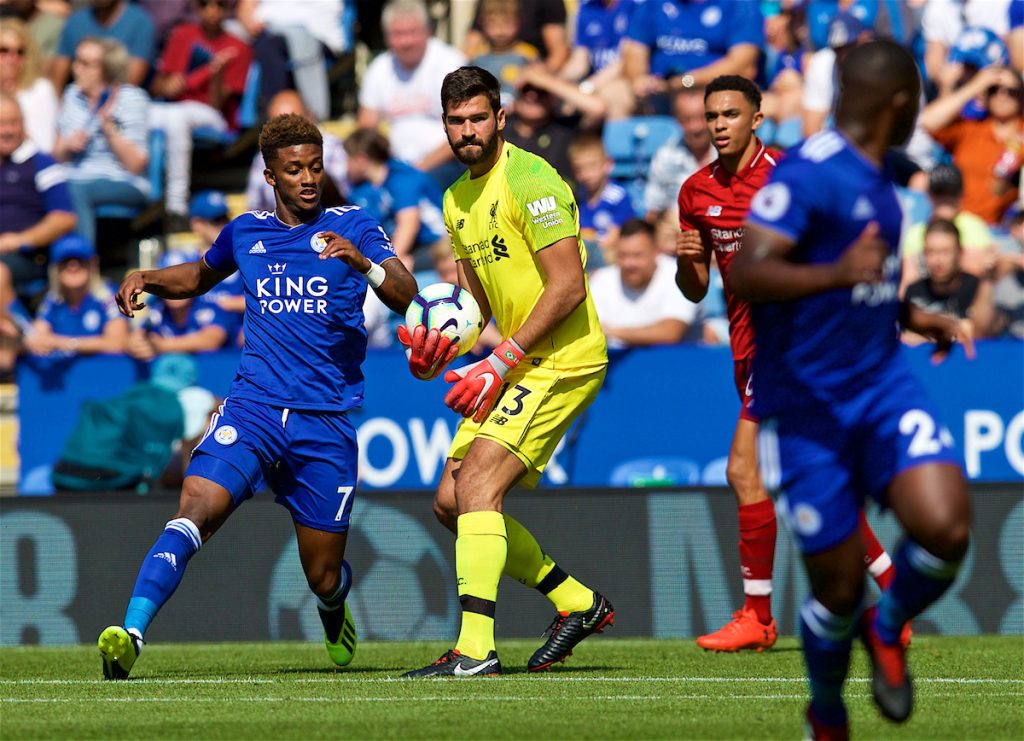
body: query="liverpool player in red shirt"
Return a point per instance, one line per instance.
(713, 205)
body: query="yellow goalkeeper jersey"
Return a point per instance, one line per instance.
(498, 223)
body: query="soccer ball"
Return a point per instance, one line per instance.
(449, 309)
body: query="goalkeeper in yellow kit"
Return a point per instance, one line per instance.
(515, 230)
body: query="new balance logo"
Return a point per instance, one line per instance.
(714, 211)
(489, 664)
(500, 248)
(541, 206)
(169, 558)
(460, 223)
(258, 249)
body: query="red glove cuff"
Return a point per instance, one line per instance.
(509, 353)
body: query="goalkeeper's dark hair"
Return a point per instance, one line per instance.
(738, 84)
(287, 130)
(636, 226)
(469, 82)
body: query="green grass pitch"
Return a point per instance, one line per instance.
(967, 688)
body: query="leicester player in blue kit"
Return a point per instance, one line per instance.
(285, 422)
(844, 419)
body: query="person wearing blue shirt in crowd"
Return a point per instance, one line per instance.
(35, 207)
(285, 424)
(680, 44)
(596, 62)
(844, 419)
(604, 205)
(78, 315)
(181, 325)
(208, 215)
(116, 19)
(821, 13)
(406, 201)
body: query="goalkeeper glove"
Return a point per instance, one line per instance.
(476, 386)
(428, 352)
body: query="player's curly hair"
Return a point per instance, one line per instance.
(287, 130)
(738, 84)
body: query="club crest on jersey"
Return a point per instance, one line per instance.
(318, 243)
(225, 435)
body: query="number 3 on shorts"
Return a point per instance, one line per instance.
(346, 494)
(521, 393)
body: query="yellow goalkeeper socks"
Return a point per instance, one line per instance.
(480, 552)
(529, 565)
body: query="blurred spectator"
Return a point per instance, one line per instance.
(531, 125)
(1015, 36)
(679, 157)
(35, 207)
(406, 201)
(45, 21)
(202, 76)
(604, 205)
(21, 76)
(782, 101)
(637, 300)
(944, 20)
(292, 43)
(948, 289)
(185, 325)
(575, 98)
(821, 13)
(402, 88)
(78, 315)
(125, 442)
(167, 15)
(208, 215)
(504, 54)
(115, 19)
(259, 194)
(974, 49)
(846, 32)
(542, 24)
(1008, 292)
(595, 63)
(676, 44)
(102, 133)
(978, 146)
(946, 192)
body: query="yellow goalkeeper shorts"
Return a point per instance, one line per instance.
(534, 410)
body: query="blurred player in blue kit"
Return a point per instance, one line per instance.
(843, 417)
(285, 422)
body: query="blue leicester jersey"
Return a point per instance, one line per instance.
(600, 28)
(610, 209)
(828, 346)
(404, 187)
(202, 312)
(304, 334)
(684, 35)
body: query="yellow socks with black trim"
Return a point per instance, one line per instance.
(529, 565)
(480, 551)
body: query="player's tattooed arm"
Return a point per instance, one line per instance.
(186, 280)
(398, 287)
(761, 271)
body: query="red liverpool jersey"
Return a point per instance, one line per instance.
(716, 202)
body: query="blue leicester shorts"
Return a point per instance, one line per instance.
(824, 461)
(309, 459)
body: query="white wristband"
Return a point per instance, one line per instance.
(375, 275)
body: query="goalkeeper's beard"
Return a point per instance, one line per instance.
(473, 156)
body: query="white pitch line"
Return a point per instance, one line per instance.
(507, 678)
(431, 698)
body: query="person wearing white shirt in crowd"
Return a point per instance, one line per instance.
(637, 300)
(402, 88)
(21, 76)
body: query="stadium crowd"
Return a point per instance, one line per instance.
(610, 92)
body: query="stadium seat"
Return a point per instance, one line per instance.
(631, 144)
(656, 472)
(154, 174)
